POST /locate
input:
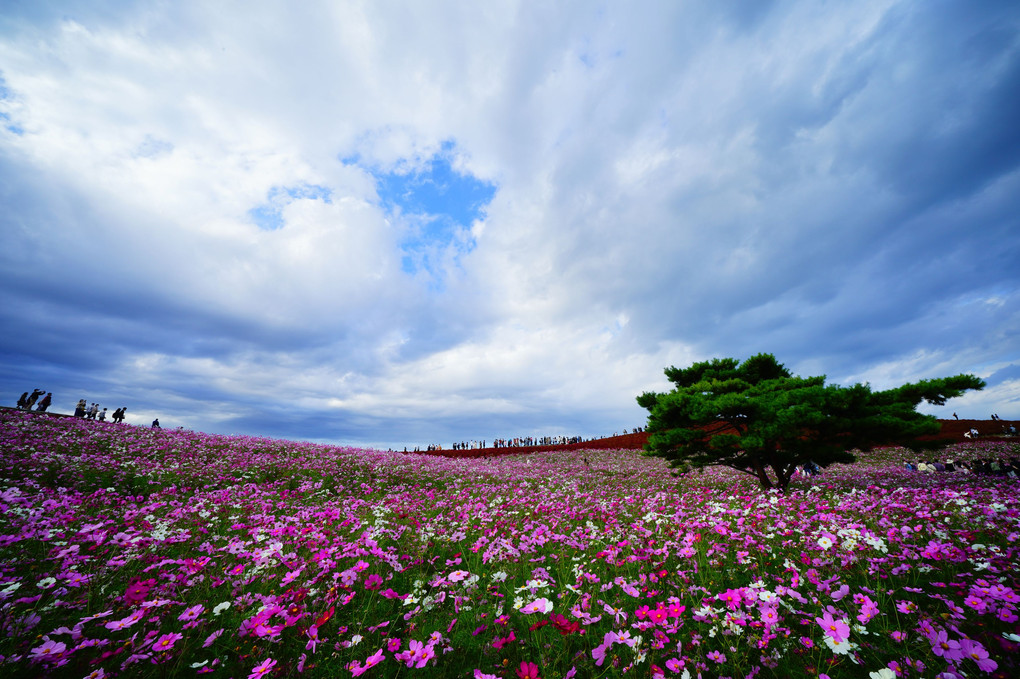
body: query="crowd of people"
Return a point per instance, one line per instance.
(517, 442)
(83, 409)
(28, 400)
(92, 412)
(984, 466)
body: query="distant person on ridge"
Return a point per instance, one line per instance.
(45, 403)
(33, 397)
(155, 423)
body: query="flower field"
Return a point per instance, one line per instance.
(135, 552)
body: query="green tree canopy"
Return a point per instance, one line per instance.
(760, 419)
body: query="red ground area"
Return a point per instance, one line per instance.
(951, 429)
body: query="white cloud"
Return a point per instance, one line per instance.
(791, 179)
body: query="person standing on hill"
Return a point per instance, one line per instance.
(102, 415)
(23, 401)
(45, 403)
(79, 410)
(33, 397)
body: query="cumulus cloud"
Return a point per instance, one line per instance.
(231, 213)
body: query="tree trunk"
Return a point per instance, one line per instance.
(763, 475)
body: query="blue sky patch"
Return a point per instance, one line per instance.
(269, 215)
(435, 199)
(5, 119)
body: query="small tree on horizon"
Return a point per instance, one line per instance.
(758, 418)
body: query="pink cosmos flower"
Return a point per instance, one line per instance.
(191, 613)
(290, 577)
(374, 581)
(263, 669)
(357, 669)
(658, 615)
(717, 656)
(137, 590)
(50, 650)
(869, 609)
(124, 623)
(841, 592)
(542, 605)
(838, 630)
(500, 642)
(943, 646)
(482, 675)
(528, 670)
(427, 653)
(412, 655)
(211, 638)
(374, 659)
(617, 613)
(979, 654)
(167, 641)
(732, 597)
(976, 602)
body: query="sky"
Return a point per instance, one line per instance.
(393, 224)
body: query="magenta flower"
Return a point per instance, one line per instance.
(191, 613)
(137, 590)
(500, 642)
(427, 653)
(167, 641)
(943, 646)
(979, 654)
(50, 650)
(976, 602)
(717, 657)
(658, 615)
(412, 655)
(838, 630)
(211, 638)
(262, 669)
(542, 605)
(528, 670)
